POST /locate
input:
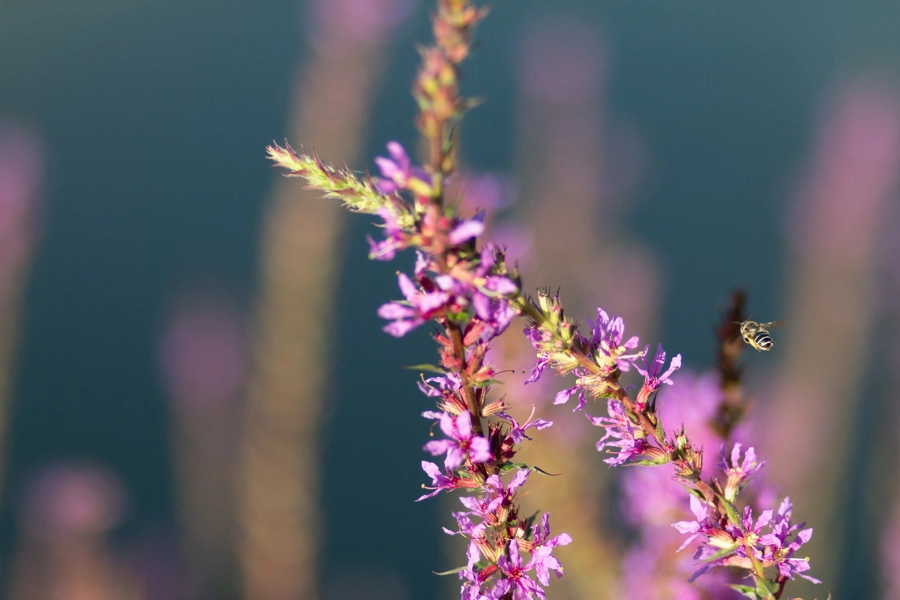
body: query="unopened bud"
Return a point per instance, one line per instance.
(643, 398)
(493, 408)
(544, 301)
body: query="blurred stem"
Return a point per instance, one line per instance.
(733, 405)
(280, 478)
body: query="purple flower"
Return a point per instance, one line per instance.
(619, 428)
(471, 589)
(475, 533)
(496, 494)
(496, 484)
(396, 171)
(750, 532)
(517, 432)
(542, 546)
(487, 293)
(652, 376)
(563, 396)
(697, 527)
(464, 525)
(489, 299)
(516, 577)
(473, 554)
(536, 337)
(738, 471)
(495, 311)
(778, 552)
(419, 307)
(606, 340)
(461, 443)
(394, 238)
(466, 230)
(451, 382)
(734, 539)
(737, 557)
(439, 481)
(484, 506)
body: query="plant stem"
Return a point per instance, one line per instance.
(467, 390)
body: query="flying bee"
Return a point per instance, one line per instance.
(758, 335)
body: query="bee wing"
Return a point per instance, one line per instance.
(774, 324)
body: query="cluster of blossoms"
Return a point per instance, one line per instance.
(471, 296)
(653, 568)
(491, 523)
(634, 435)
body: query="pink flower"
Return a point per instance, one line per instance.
(461, 442)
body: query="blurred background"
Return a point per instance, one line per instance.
(196, 399)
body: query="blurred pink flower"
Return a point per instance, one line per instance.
(490, 191)
(203, 353)
(517, 242)
(70, 498)
(853, 171)
(652, 499)
(563, 62)
(343, 26)
(692, 402)
(652, 572)
(21, 175)
(890, 557)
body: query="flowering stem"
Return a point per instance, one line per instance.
(468, 391)
(470, 293)
(688, 466)
(436, 91)
(615, 389)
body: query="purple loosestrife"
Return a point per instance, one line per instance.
(395, 170)
(541, 547)
(628, 441)
(606, 342)
(652, 376)
(394, 238)
(421, 305)
(461, 445)
(469, 295)
(517, 432)
(439, 481)
(710, 407)
(516, 578)
(738, 471)
(651, 504)
(778, 552)
(635, 435)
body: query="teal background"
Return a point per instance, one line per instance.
(155, 116)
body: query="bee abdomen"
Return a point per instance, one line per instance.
(763, 341)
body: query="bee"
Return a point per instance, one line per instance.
(758, 335)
